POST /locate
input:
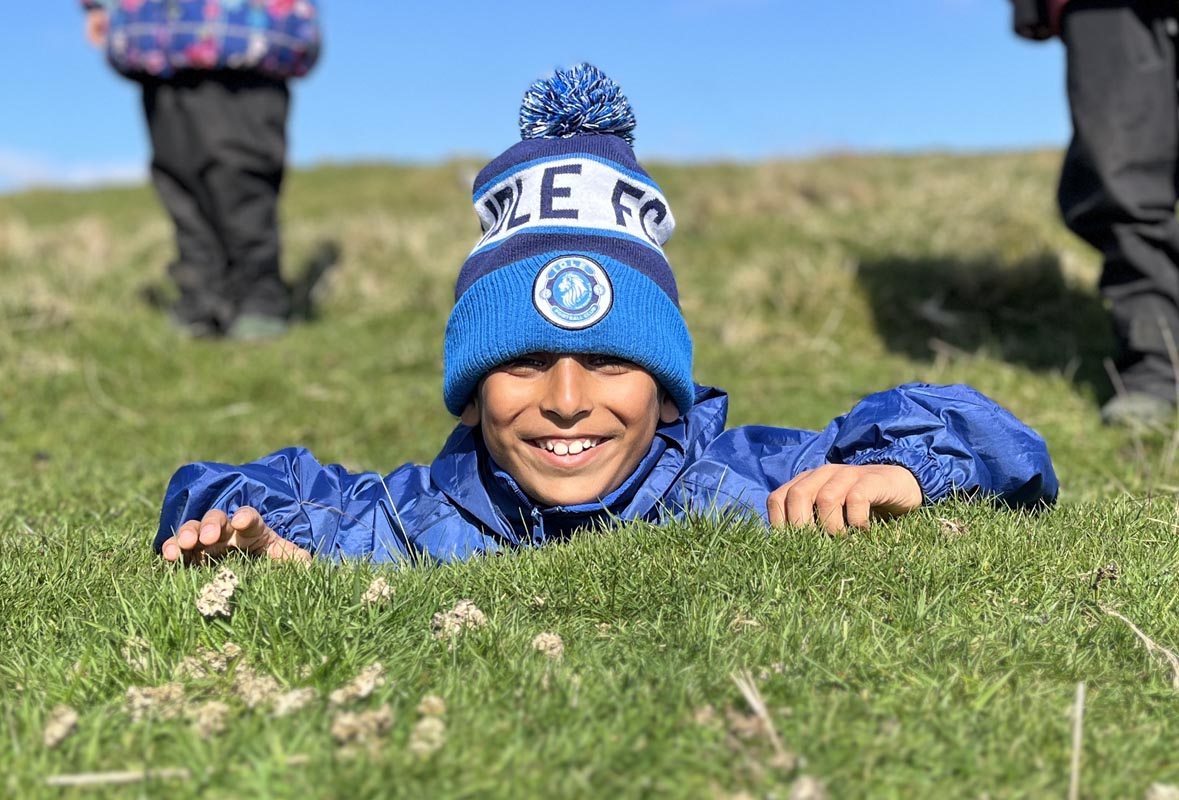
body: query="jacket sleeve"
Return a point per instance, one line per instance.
(325, 509)
(954, 439)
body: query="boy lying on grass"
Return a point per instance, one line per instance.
(570, 367)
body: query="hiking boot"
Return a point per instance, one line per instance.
(1139, 410)
(255, 327)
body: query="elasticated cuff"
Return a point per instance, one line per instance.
(930, 475)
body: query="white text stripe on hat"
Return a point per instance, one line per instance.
(573, 193)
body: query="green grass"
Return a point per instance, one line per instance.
(934, 656)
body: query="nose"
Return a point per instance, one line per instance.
(566, 393)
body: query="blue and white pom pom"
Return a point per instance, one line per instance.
(576, 102)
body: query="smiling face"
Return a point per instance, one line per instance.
(569, 428)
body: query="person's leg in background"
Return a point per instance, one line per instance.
(244, 121)
(1118, 187)
(178, 161)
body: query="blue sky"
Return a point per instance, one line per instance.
(422, 80)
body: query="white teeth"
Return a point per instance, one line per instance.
(569, 448)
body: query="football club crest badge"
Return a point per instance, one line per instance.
(573, 292)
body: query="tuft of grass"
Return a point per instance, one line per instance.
(935, 655)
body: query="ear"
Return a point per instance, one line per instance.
(667, 410)
(470, 415)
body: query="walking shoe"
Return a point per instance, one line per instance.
(255, 327)
(197, 329)
(193, 328)
(1139, 410)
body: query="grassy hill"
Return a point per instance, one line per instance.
(933, 656)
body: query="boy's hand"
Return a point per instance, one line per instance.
(216, 534)
(838, 496)
(97, 26)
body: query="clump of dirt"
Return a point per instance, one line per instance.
(807, 788)
(429, 733)
(165, 701)
(465, 614)
(207, 663)
(62, 722)
(137, 652)
(362, 727)
(951, 528)
(288, 703)
(209, 718)
(431, 705)
(359, 687)
(252, 688)
(379, 592)
(214, 598)
(550, 644)
(427, 737)
(190, 668)
(256, 689)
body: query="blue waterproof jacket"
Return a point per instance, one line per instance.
(953, 439)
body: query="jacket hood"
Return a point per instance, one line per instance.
(465, 473)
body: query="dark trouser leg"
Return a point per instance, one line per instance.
(177, 163)
(1118, 184)
(244, 120)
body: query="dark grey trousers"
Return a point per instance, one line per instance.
(218, 155)
(1119, 186)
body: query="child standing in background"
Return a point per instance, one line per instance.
(1119, 183)
(214, 76)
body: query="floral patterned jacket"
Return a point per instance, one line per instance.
(158, 38)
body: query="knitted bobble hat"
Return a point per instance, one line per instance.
(571, 258)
